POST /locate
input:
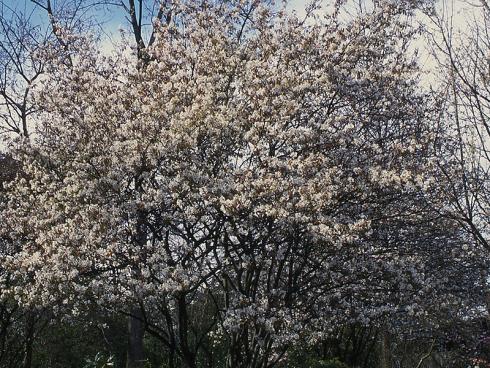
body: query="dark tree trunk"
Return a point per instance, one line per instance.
(136, 331)
(29, 340)
(385, 349)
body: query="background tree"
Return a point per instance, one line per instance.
(461, 44)
(462, 52)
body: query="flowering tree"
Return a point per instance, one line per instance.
(269, 170)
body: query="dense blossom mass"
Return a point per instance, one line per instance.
(279, 173)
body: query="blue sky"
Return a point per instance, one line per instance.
(111, 19)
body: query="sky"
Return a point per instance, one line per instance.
(113, 18)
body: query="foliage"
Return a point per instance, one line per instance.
(99, 361)
(332, 363)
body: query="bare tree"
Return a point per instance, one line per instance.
(459, 35)
(20, 39)
(463, 56)
(26, 28)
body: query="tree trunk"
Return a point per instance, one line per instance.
(385, 349)
(29, 340)
(136, 331)
(136, 328)
(188, 356)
